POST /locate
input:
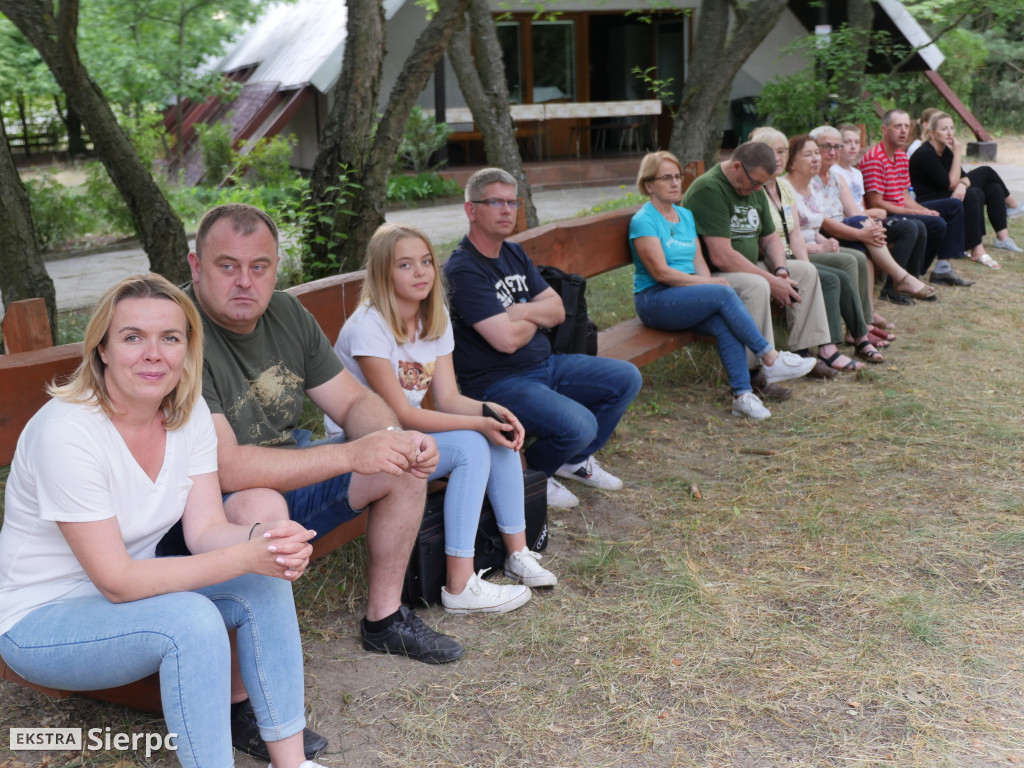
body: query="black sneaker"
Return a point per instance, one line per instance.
(245, 736)
(949, 278)
(411, 637)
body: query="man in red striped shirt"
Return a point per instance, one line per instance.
(886, 184)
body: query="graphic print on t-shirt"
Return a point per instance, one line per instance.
(508, 287)
(745, 221)
(415, 377)
(277, 392)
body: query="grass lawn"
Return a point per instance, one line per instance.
(840, 585)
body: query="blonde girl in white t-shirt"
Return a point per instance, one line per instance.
(399, 343)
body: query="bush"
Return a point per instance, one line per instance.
(56, 212)
(270, 160)
(423, 186)
(105, 203)
(421, 138)
(797, 103)
(218, 157)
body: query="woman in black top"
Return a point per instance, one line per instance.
(935, 173)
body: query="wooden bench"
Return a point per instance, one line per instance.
(592, 245)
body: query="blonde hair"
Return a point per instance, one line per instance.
(919, 129)
(649, 167)
(379, 290)
(766, 135)
(933, 123)
(87, 384)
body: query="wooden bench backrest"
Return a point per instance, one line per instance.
(586, 246)
(589, 245)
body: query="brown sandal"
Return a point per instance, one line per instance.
(925, 292)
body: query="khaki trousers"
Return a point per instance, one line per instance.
(808, 324)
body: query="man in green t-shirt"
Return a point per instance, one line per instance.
(736, 231)
(263, 355)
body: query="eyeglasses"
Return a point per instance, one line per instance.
(668, 178)
(497, 203)
(755, 185)
(830, 147)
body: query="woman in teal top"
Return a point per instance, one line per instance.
(673, 289)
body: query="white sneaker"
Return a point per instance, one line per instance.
(590, 473)
(305, 764)
(524, 566)
(748, 404)
(1013, 213)
(560, 496)
(1007, 244)
(482, 596)
(787, 366)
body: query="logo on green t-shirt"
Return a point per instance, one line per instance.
(745, 221)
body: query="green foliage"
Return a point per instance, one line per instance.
(334, 201)
(146, 51)
(998, 95)
(423, 186)
(105, 202)
(830, 88)
(218, 156)
(421, 138)
(628, 200)
(56, 211)
(269, 161)
(659, 88)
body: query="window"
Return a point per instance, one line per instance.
(554, 61)
(511, 53)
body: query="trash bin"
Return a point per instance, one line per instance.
(744, 117)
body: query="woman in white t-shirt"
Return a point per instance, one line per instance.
(399, 343)
(103, 470)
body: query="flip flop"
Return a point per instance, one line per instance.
(987, 260)
(925, 292)
(866, 351)
(850, 366)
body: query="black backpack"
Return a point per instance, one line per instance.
(578, 333)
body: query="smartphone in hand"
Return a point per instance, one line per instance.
(509, 435)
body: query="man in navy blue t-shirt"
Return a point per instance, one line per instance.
(570, 403)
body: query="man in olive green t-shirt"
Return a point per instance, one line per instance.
(735, 226)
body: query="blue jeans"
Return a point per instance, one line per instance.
(88, 643)
(714, 310)
(323, 506)
(475, 465)
(570, 403)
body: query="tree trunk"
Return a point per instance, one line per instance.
(350, 210)
(719, 51)
(485, 88)
(22, 270)
(73, 126)
(860, 15)
(55, 37)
